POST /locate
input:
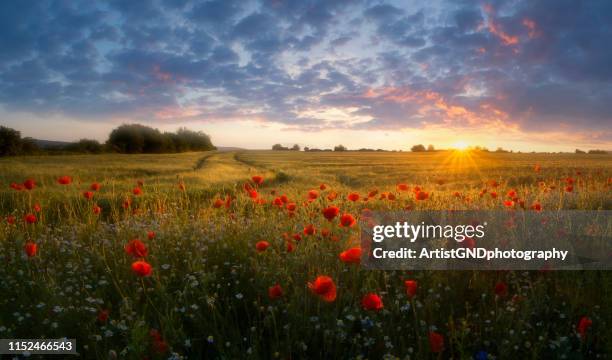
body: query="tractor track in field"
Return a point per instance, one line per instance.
(202, 161)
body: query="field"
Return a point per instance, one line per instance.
(70, 267)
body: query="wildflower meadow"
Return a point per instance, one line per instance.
(256, 254)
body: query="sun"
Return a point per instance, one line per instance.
(460, 145)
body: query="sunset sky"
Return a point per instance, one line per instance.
(524, 75)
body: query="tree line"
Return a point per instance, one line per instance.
(128, 139)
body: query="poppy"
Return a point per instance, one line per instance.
(508, 203)
(583, 325)
(29, 184)
(37, 207)
(257, 179)
(136, 248)
(88, 195)
(297, 237)
(402, 187)
(411, 287)
(142, 268)
(457, 194)
(253, 194)
(64, 180)
(137, 191)
(313, 194)
(261, 246)
(468, 243)
(536, 206)
(103, 315)
(278, 202)
(391, 197)
(322, 187)
(421, 195)
(436, 342)
(493, 194)
(284, 198)
(275, 292)
(501, 289)
(352, 255)
(30, 218)
(537, 168)
(353, 196)
(347, 220)
(17, 187)
(332, 196)
(151, 235)
(10, 220)
(291, 206)
(331, 212)
(30, 249)
(95, 187)
(309, 230)
(324, 287)
(372, 301)
(325, 232)
(290, 247)
(96, 209)
(511, 194)
(569, 188)
(372, 193)
(218, 203)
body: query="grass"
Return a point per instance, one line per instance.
(208, 293)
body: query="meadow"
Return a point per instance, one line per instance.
(254, 254)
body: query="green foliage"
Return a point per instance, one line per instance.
(139, 139)
(12, 144)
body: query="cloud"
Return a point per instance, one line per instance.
(532, 66)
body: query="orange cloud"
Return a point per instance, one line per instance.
(495, 29)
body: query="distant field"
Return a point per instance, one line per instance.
(208, 294)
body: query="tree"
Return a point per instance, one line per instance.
(339, 148)
(279, 147)
(306, 148)
(418, 148)
(86, 146)
(136, 138)
(578, 151)
(295, 147)
(430, 148)
(10, 142)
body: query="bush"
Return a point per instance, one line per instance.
(418, 148)
(12, 144)
(86, 146)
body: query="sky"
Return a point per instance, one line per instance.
(523, 75)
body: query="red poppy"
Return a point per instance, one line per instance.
(347, 220)
(10, 220)
(501, 289)
(537, 168)
(411, 287)
(88, 195)
(257, 179)
(511, 194)
(95, 187)
(332, 196)
(142, 268)
(30, 218)
(353, 196)
(137, 191)
(29, 184)
(253, 194)
(372, 193)
(352, 255)
(325, 232)
(536, 206)
(421, 195)
(96, 209)
(159, 344)
(151, 235)
(331, 212)
(322, 187)
(372, 301)
(103, 315)
(324, 287)
(64, 180)
(17, 187)
(136, 248)
(583, 325)
(30, 249)
(309, 230)
(508, 203)
(291, 206)
(261, 246)
(391, 197)
(436, 342)
(468, 243)
(218, 203)
(493, 194)
(457, 194)
(278, 202)
(290, 247)
(313, 194)
(37, 207)
(275, 292)
(297, 237)
(402, 187)
(569, 188)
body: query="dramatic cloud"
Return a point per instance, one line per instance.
(314, 65)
